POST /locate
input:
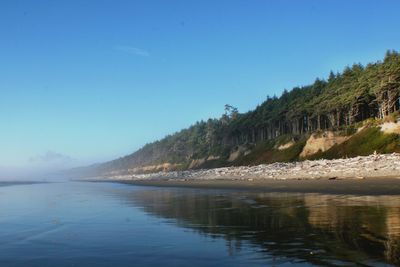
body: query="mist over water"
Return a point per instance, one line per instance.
(105, 224)
(33, 174)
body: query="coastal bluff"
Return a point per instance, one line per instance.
(346, 115)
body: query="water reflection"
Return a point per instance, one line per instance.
(330, 230)
(103, 224)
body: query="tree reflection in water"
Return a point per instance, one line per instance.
(330, 230)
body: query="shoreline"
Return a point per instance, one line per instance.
(351, 186)
(375, 165)
(374, 174)
(10, 183)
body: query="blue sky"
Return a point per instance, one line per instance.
(88, 81)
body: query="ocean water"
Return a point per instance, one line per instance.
(107, 224)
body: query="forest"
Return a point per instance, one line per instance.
(337, 103)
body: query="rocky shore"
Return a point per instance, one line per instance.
(376, 165)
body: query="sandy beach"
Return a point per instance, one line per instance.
(373, 174)
(376, 165)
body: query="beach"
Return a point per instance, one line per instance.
(374, 174)
(370, 186)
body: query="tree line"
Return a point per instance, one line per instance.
(343, 99)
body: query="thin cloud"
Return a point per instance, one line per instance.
(132, 50)
(51, 157)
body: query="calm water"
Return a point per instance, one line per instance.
(103, 224)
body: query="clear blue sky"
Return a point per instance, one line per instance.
(88, 81)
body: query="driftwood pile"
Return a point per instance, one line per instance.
(361, 167)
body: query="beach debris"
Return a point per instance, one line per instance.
(361, 167)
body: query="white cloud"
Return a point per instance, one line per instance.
(132, 50)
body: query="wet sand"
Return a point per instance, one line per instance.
(369, 186)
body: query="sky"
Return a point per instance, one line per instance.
(89, 81)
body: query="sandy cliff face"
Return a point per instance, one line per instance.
(165, 167)
(321, 143)
(196, 163)
(241, 150)
(390, 127)
(286, 145)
